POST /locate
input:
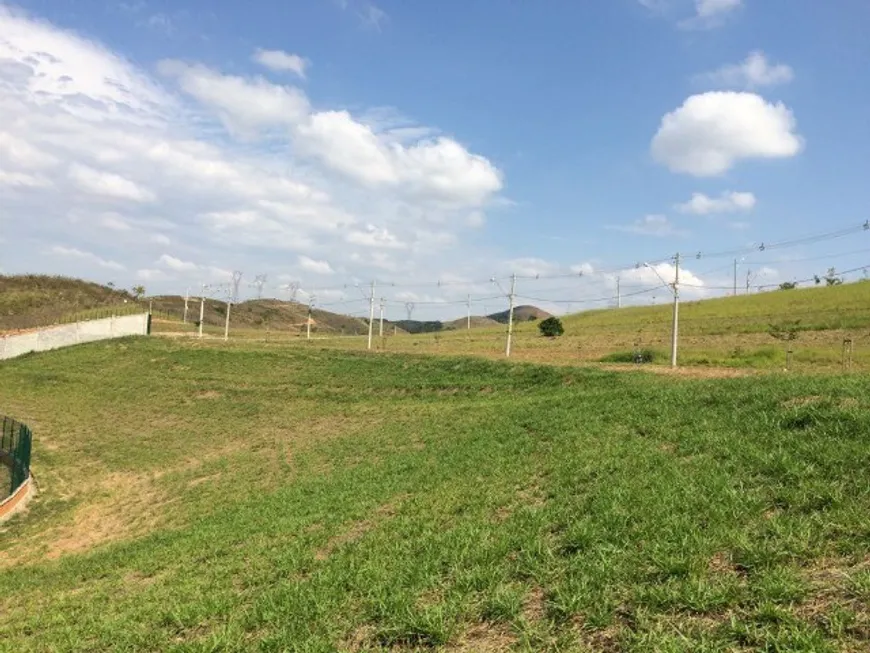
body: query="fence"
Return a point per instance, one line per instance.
(15, 445)
(74, 334)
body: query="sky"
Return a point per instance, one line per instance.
(432, 146)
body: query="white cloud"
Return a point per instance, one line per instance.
(245, 106)
(159, 239)
(375, 237)
(373, 16)
(281, 61)
(72, 252)
(225, 168)
(107, 184)
(728, 202)
(711, 13)
(754, 72)
(317, 267)
(151, 274)
(115, 222)
(650, 225)
(711, 132)
(177, 264)
(22, 179)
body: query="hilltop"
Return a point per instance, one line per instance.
(32, 300)
(521, 314)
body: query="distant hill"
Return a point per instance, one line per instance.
(28, 301)
(521, 314)
(32, 300)
(257, 314)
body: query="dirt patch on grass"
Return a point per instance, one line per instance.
(483, 638)
(534, 605)
(357, 530)
(208, 394)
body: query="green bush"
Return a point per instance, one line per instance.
(551, 327)
(634, 356)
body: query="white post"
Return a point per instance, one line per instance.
(735, 277)
(227, 323)
(308, 324)
(468, 302)
(186, 298)
(676, 324)
(381, 332)
(618, 294)
(201, 312)
(510, 333)
(371, 314)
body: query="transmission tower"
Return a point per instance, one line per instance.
(409, 308)
(237, 279)
(291, 289)
(259, 283)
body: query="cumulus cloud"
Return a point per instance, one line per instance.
(711, 13)
(728, 202)
(90, 257)
(281, 61)
(754, 72)
(176, 264)
(650, 225)
(711, 132)
(317, 267)
(223, 167)
(108, 184)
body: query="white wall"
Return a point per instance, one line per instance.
(73, 334)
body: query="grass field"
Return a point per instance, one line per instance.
(199, 497)
(724, 333)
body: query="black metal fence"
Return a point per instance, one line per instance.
(15, 444)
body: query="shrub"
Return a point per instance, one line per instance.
(551, 327)
(635, 356)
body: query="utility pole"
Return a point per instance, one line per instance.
(468, 302)
(233, 297)
(381, 330)
(201, 309)
(735, 277)
(510, 333)
(308, 323)
(371, 313)
(186, 299)
(227, 322)
(618, 294)
(676, 325)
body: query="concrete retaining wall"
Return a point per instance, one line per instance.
(66, 335)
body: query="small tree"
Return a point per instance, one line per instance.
(832, 279)
(785, 332)
(551, 327)
(138, 292)
(788, 285)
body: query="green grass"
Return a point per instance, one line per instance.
(197, 497)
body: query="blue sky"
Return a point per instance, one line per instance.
(329, 142)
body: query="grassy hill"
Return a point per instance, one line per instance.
(724, 332)
(28, 301)
(521, 314)
(207, 496)
(32, 300)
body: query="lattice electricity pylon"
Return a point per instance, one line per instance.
(258, 283)
(291, 289)
(237, 279)
(409, 308)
